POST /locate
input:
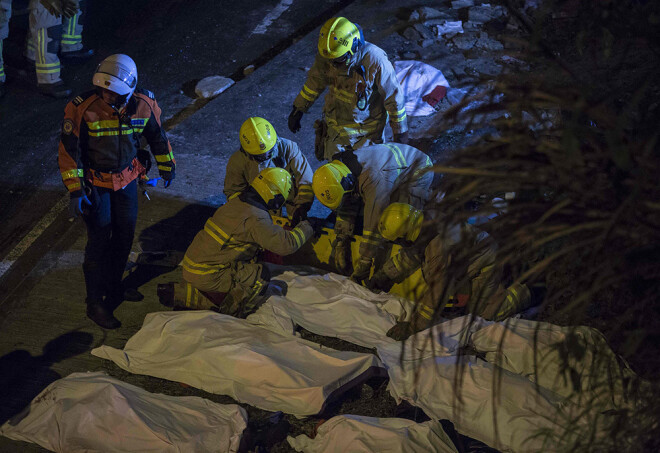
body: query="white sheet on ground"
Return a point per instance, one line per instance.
(334, 306)
(574, 362)
(357, 434)
(93, 412)
(229, 356)
(418, 79)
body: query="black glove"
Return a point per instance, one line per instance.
(168, 177)
(53, 6)
(76, 205)
(401, 331)
(380, 282)
(70, 8)
(401, 138)
(317, 225)
(294, 120)
(300, 213)
(362, 270)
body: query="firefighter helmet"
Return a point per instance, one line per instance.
(117, 73)
(339, 36)
(257, 136)
(400, 220)
(331, 182)
(273, 186)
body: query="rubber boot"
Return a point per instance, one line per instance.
(101, 315)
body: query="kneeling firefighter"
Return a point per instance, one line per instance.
(220, 267)
(474, 281)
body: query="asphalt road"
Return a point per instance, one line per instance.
(175, 43)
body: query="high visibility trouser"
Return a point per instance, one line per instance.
(44, 43)
(242, 282)
(5, 15)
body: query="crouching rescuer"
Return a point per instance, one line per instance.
(98, 162)
(220, 268)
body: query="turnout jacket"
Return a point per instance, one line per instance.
(242, 169)
(385, 173)
(370, 73)
(238, 231)
(99, 144)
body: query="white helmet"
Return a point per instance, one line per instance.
(117, 73)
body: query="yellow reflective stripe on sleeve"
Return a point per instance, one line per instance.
(398, 155)
(73, 186)
(164, 168)
(305, 97)
(164, 157)
(425, 312)
(234, 195)
(397, 116)
(75, 173)
(299, 236)
(310, 91)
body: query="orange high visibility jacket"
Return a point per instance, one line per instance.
(99, 144)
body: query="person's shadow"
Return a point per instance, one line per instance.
(23, 376)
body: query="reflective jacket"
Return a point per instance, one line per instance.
(238, 231)
(99, 144)
(385, 174)
(242, 169)
(370, 74)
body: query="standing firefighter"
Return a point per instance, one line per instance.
(261, 148)
(474, 280)
(372, 177)
(98, 161)
(364, 92)
(220, 267)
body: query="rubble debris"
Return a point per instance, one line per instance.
(249, 69)
(212, 86)
(485, 13)
(457, 4)
(411, 34)
(449, 27)
(423, 31)
(424, 43)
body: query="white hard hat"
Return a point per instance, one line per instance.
(117, 73)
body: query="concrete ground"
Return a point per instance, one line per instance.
(44, 333)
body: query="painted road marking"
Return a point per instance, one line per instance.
(272, 16)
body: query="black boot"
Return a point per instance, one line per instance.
(132, 295)
(101, 315)
(165, 293)
(57, 90)
(77, 56)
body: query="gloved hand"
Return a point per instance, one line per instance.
(53, 6)
(380, 282)
(70, 8)
(300, 213)
(294, 120)
(168, 177)
(317, 225)
(76, 205)
(343, 260)
(362, 270)
(153, 182)
(401, 138)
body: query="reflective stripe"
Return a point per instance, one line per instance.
(256, 288)
(371, 237)
(202, 269)
(396, 260)
(73, 186)
(399, 116)
(425, 312)
(310, 91)
(164, 157)
(75, 173)
(234, 195)
(343, 96)
(164, 168)
(308, 94)
(398, 155)
(305, 97)
(351, 129)
(223, 238)
(299, 236)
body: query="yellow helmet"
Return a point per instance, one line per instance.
(400, 220)
(338, 36)
(331, 182)
(273, 185)
(257, 136)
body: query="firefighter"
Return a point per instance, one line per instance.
(55, 28)
(363, 92)
(220, 267)
(98, 161)
(479, 287)
(369, 179)
(262, 148)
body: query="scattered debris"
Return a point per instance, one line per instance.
(449, 27)
(212, 86)
(423, 31)
(457, 4)
(249, 69)
(411, 34)
(485, 13)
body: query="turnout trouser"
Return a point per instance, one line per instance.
(241, 283)
(49, 36)
(110, 229)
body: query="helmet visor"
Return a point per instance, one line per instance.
(118, 71)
